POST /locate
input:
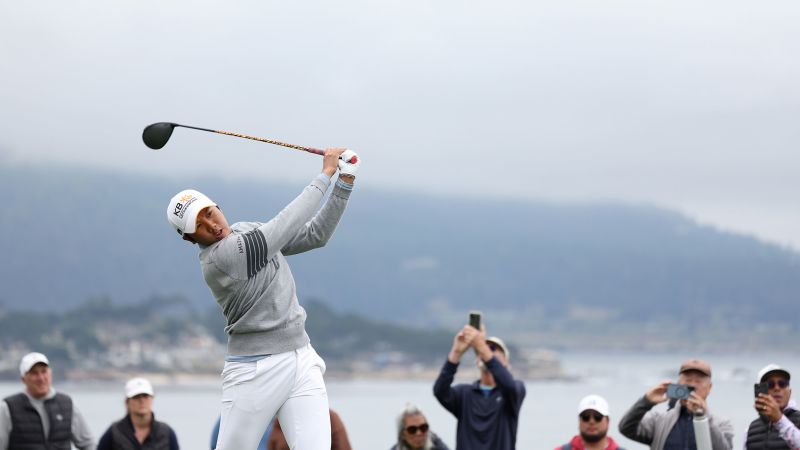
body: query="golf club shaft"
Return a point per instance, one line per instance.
(254, 138)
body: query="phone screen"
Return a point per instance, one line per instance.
(475, 319)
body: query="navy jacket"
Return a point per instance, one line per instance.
(121, 436)
(484, 422)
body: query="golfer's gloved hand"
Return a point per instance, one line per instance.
(349, 162)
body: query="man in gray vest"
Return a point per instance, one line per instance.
(40, 417)
(778, 417)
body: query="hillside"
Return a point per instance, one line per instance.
(409, 258)
(100, 339)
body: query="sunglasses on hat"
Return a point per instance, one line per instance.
(412, 429)
(588, 415)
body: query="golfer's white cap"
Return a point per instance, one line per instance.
(595, 403)
(30, 360)
(769, 368)
(138, 386)
(183, 209)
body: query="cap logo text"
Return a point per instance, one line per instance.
(180, 209)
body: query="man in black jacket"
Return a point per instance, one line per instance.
(40, 417)
(778, 419)
(488, 409)
(138, 430)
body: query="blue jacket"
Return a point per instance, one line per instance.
(484, 422)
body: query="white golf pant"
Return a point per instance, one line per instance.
(289, 384)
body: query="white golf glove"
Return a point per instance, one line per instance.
(349, 162)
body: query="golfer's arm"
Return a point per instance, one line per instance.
(318, 231)
(283, 228)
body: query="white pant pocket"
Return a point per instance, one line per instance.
(234, 373)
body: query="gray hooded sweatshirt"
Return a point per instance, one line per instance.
(250, 278)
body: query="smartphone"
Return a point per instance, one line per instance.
(679, 391)
(760, 388)
(475, 319)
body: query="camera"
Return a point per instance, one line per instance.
(679, 391)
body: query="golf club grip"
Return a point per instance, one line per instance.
(270, 141)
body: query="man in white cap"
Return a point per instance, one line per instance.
(488, 409)
(40, 417)
(270, 368)
(778, 418)
(592, 426)
(139, 429)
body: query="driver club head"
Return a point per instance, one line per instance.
(156, 135)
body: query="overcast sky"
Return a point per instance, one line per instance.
(684, 104)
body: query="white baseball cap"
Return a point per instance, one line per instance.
(595, 403)
(138, 386)
(183, 209)
(769, 368)
(30, 360)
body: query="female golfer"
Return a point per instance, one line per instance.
(270, 368)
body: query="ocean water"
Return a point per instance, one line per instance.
(369, 407)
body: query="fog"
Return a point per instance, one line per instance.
(687, 105)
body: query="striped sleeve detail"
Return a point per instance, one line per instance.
(255, 247)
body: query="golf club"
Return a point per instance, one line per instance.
(156, 136)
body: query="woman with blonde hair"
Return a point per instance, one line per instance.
(413, 432)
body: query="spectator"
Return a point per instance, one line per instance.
(139, 429)
(488, 409)
(40, 417)
(413, 432)
(673, 428)
(778, 419)
(339, 441)
(593, 426)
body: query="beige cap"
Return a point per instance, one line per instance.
(696, 364)
(499, 342)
